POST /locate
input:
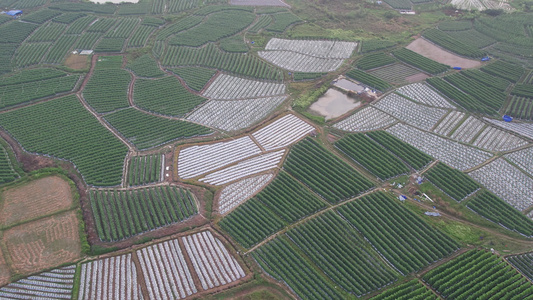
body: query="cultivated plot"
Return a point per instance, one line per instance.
(449, 122)
(245, 168)
(507, 182)
(110, 278)
(227, 87)
(54, 284)
(468, 130)
(523, 158)
(44, 243)
(282, 132)
(165, 271)
(233, 115)
(307, 55)
(211, 260)
(398, 74)
(366, 119)
(450, 152)
(38, 198)
(236, 193)
(420, 116)
(196, 160)
(422, 93)
(524, 129)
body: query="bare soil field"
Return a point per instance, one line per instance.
(38, 198)
(76, 62)
(429, 50)
(417, 77)
(44, 243)
(4, 271)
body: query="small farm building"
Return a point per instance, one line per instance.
(14, 13)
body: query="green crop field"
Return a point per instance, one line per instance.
(369, 154)
(144, 169)
(324, 173)
(337, 249)
(407, 153)
(478, 274)
(97, 154)
(453, 182)
(195, 77)
(374, 60)
(107, 90)
(7, 173)
(122, 214)
(404, 239)
(147, 131)
(497, 211)
(368, 79)
(172, 98)
(145, 66)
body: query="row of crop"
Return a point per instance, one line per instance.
(284, 200)
(60, 49)
(31, 75)
(453, 182)
(145, 66)
(371, 156)
(123, 29)
(215, 27)
(63, 128)
(374, 45)
(334, 246)
(144, 169)
(283, 262)
(407, 153)
(444, 40)
(30, 54)
(195, 77)
(48, 33)
(368, 79)
(107, 90)
(409, 290)
(140, 36)
(7, 173)
(125, 213)
(504, 70)
(147, 131)
(524, 263)
(478, 275)
(374, 60)
(110, 45)
(210, 57)
(261, 23)
(496, 210)
(29, 91)
(282, 21)
(465, 100)
(165, 96)
(520, 107)
(324, 173)
(487, 79)
(419, 61)
(399, 235)
(472, 38)
(487, 95)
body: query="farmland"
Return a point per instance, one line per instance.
(122, 214)
(478, 273)
(382, 221)
(172, 149)
(452, 182)
(337, 181)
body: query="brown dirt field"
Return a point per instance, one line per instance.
(416, 78)
(4, 271)
(76, 62)
(429, 50)
(44, 243)
(41, 197)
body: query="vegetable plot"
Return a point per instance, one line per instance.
(400, 236)
(145, 169)
(452, 182)
(120, 214)
(324, 173)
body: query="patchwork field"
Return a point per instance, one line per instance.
(44, 243)
(38, 198)
(429, 50)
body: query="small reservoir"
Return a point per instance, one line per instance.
(333, 104)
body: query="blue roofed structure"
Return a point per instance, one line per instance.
(14, 13)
